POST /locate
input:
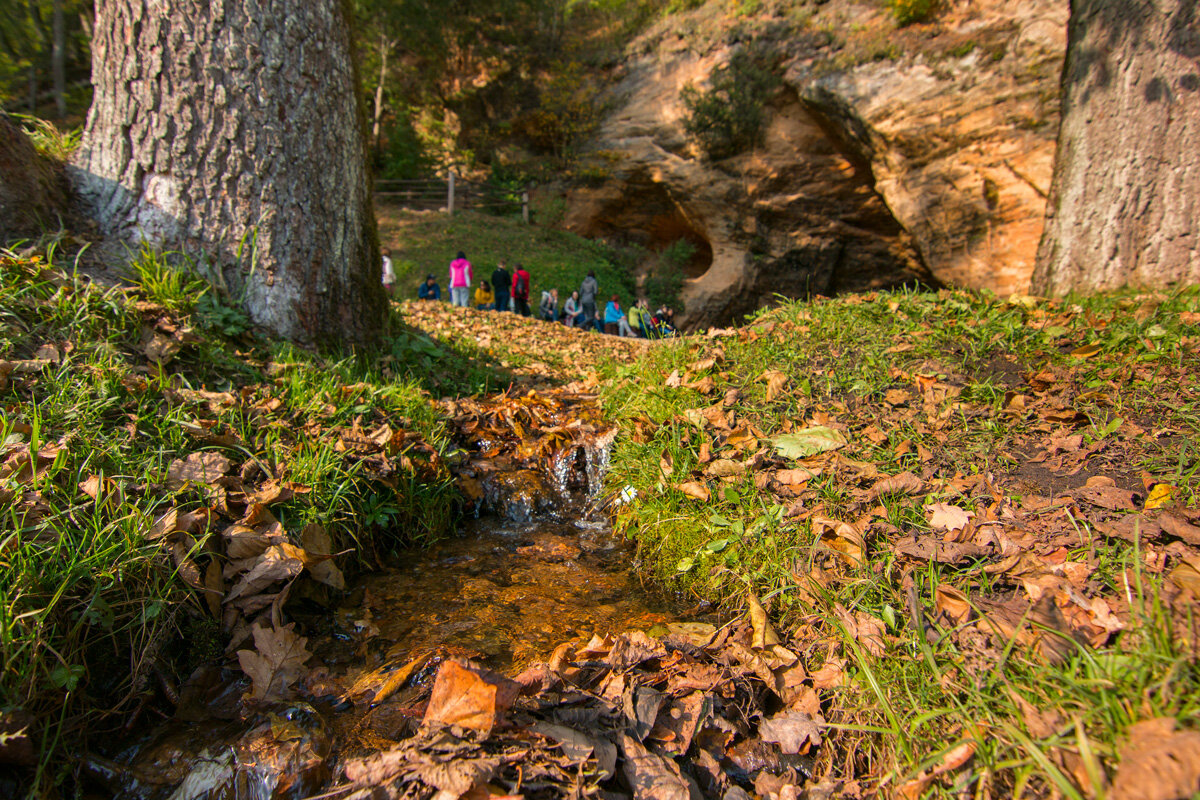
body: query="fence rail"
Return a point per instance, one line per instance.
(450, 195)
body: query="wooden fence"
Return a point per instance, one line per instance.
(452, 194)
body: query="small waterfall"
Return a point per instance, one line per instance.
(597, 453)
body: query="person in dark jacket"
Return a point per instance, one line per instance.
(429, 290)
(587, 298)
(501, 281)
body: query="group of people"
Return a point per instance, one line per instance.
(509, 291)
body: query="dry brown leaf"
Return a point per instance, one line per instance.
(318, 546)
(666, 463)
(277, 563)
(653, 777)
(764, 634)
(797, 476)
(214, 588)
(164, 525)
(724, 468)
(794, 731)
(276, 662)
(469, 696)
(841, 537)
(950, 517)
(92, 486)
(831, 675)
(204, 467)
(695, 489)
(776, 381)
(904, 483)
(930, 548)
(952, 602)
(1158, 762)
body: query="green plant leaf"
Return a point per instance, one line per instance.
(808, 442)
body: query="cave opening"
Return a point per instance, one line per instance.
(646, 217)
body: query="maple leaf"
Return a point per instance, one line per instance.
(278, 662)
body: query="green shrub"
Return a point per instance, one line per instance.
(728, 118)
(405, 157)
(907, 12)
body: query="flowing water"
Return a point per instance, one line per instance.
(533, 571)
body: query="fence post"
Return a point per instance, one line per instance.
(525, 207)
(450, 194)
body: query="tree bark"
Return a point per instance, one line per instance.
(1124, 206)
(231, 130)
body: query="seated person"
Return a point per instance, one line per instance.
(572, 312)
(485, 298)
(639, 319)
(429, 290)
(548, 308)
(664, 321)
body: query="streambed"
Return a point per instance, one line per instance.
(535, 569)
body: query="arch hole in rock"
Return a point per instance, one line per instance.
(641, 213)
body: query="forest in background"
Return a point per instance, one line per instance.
(444, 83)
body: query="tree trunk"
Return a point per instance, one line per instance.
(1124, 205)
(58, 60)
(230, 130)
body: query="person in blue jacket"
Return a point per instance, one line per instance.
(429, 290)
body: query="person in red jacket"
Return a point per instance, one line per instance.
(520, 291)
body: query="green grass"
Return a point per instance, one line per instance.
(91, 605)
(424, 243)
(1136, 389)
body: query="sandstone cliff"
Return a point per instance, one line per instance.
(890, 156)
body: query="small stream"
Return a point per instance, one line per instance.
(532, 571)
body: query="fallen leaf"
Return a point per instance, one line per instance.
(277, 563)
(666, 463)
(794, 731)
(203, 467)
(808, 441)
(1158, 762)
(776, 381)
(578, 747)
(904, 483)
(695, 489)
(764, 634)
(653, 777)
(944, 515)
(1160, 496)
(953, 603)
(469, 696)
(316, 542)
(930, 548)
(841, 537)
(276, 662)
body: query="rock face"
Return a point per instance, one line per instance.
(930, 164)
(32, 189)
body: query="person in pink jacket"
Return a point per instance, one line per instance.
(460, 280)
